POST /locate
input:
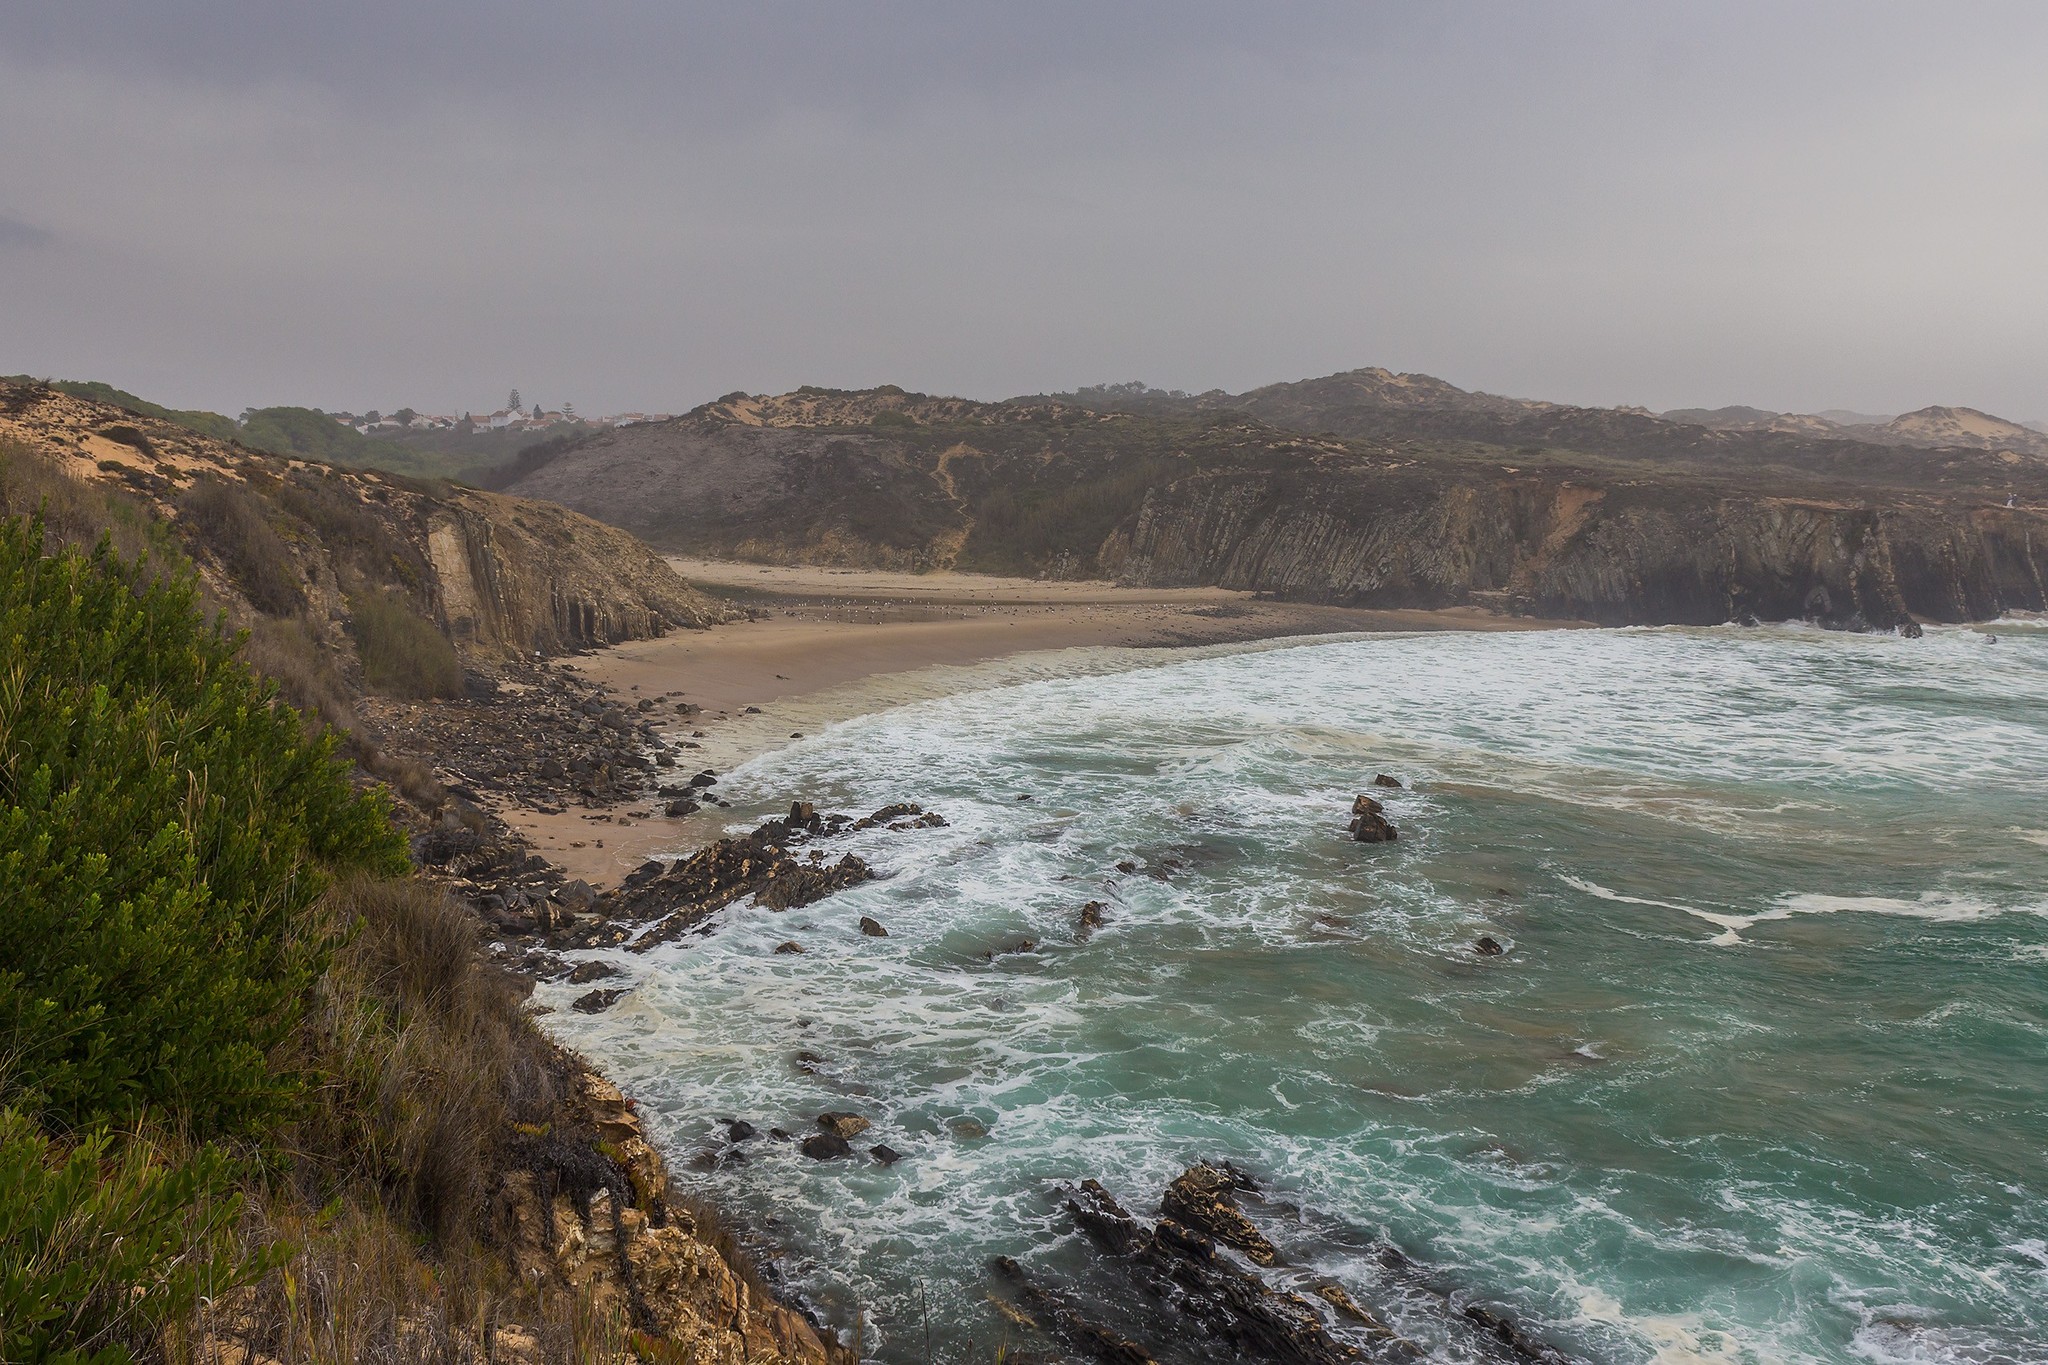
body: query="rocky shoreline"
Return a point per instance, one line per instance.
(1208, 1274)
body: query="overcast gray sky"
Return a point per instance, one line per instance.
(632, 204)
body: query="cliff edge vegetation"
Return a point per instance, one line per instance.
(261, 1097)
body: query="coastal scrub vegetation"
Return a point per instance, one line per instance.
(255, 1082)
(403, 654)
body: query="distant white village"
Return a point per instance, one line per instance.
(514, 416)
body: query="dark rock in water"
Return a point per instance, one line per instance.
(810, 1063)
(967, 1128)
(801, 813)
(800, 885)
(751, 711)
(1204, 1198)
(1187, 1241)
(872, 927)
(692, 889)
(1127, 867)
(1105, 1220)
(825, 1147)
(739, 1130)
(584, 973)
(780, 1134)
(1503, 1330)
(1382, 780)
(704, 779)
(1022, 945)
(1909, 629)
(597, 1002)
(789, 946)
(1365, 805)
(885, 1154)
(1487, 947)
(1089, 921)
(1347, 1306)
(1089, 1338)
(1373, 829)
(1026, 796)
(843, 1125)
(887, 814)
(680, 807)
(1176, 1266)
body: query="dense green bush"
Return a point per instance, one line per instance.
(403, 654)
(164, 827)
(103, 1244)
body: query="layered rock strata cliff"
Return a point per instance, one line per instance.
(499, 575)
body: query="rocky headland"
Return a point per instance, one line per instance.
(1362, 489)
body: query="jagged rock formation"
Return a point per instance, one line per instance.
(613, 1231)
(499, 575)
(1415, 494)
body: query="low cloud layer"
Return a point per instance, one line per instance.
(638, 205)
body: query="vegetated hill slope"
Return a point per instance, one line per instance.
(1186, 491)
(1925, 449)
(296, 539)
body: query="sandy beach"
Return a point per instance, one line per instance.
(827, 644)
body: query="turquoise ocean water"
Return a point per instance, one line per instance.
(1763, 1076)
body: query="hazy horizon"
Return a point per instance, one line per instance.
(1792, 207)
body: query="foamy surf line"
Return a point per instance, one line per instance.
(1941, 907)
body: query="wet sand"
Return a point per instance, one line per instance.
(828, 644)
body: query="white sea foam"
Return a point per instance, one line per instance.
(1267, 990)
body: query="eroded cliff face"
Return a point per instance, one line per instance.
(1624, 554)
(500, 575)
(1847, 534)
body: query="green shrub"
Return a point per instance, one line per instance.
(164, 827)
(103, 1245)
(233, 525)
(889, 417)
(403, 655)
